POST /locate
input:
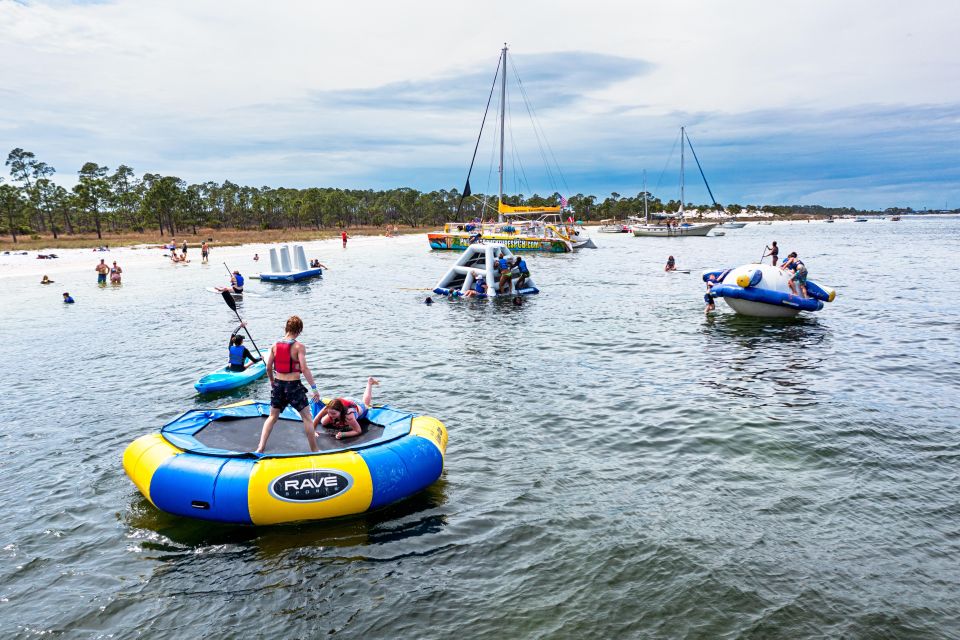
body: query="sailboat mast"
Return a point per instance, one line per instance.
(503, 114)
(646, 214)
(683, 134)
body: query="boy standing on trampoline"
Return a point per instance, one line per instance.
(286, 362)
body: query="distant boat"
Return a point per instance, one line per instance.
(860, 219)
(895, 219)
(612, 226)
(765, 222)
(733, 225)
(665, 231)
(682, 228)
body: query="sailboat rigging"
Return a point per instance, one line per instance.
(682, 227)
(521, 228)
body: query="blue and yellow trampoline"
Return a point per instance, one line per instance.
(200, 465)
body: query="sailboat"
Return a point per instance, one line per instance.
(519, 228)
(680, 227)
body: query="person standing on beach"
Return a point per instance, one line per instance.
(184, 249)
(204, 252)
(285, 363)
(102, 270)
(343, 236)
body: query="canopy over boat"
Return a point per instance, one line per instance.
(507, 209)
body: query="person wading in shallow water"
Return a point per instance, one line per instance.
(286, 362)
(102, 270)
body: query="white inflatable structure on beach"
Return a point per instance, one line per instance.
(478, 261)
(283, 271)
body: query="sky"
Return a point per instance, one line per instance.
(837, 102)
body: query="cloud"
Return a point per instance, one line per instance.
(842, 102)
(558, 79)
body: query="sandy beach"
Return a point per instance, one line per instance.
(134, 259)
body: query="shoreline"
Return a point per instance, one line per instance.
(71, 262)
(216, 237)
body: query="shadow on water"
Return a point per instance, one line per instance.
(745, 328)
(410, 518)
(757, 357)
(283, 290)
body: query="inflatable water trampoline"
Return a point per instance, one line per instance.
(200, 465)
(763, 290)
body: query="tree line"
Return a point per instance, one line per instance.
(105, 201)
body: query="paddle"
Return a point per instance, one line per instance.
(228, 298)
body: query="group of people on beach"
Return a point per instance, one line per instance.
(286, 363)
(182, 256)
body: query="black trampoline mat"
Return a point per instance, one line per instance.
(243, 434)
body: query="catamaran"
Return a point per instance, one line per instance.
(519, 228)
(678, 226)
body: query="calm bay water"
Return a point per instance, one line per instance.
(619, 465)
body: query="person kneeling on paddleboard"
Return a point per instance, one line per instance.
(239, 354)
(286, 362)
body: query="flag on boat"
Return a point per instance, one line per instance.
(563, 201)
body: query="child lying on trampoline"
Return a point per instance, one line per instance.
(342, 414)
